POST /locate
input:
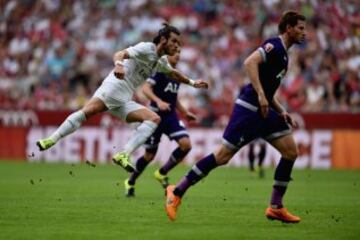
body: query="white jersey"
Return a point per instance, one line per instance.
(143, 63)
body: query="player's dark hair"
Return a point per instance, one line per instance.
(165, 31)
(289, 18)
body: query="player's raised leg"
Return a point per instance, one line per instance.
(175, 158)
(198, 171)
(149, 122)
(73, 122)
(288, 149)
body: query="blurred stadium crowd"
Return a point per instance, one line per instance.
(54, 53)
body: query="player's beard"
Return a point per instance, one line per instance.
(298, 39)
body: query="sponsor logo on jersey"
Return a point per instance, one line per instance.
(171, 87)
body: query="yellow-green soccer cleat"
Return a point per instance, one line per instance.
(163, 179)
(44, 144)
(129, 189)
(123, 159)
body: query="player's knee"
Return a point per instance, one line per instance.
(223, 155)
(222, 159)
(291, 154)
(155, 118)
(93, 107)
(149, 156)
(88, 111)
(185, 146)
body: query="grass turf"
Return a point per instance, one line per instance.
(59, 201)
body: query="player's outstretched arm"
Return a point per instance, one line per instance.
(252, 68)
(149, 93)
(189, 115)
(178, 76)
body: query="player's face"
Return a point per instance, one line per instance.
(174, 59)
(297, 33)
(173, 44)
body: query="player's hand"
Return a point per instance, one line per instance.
(119, 71)
(289, 119)
(163, 106)
(190, 116)
(264, 105)
(200, 84)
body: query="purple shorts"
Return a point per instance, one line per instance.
(247, 124)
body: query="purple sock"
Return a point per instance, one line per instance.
(176, 156)
(140, 165)
(282, 178)
(197, 172)
(276, 196)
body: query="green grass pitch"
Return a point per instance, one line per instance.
(60, 201)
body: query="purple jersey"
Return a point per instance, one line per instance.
(246, 123)
(166, 89)
(271, 71)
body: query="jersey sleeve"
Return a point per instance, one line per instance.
(268, 50)
(163, 65)
(153, 79)
(140, 48)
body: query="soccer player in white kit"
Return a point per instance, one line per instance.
(133, 66)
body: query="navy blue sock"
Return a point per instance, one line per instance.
(197, 172)
(282, 178)
(176, 156)
(262, 154)
(251, 157)
(140, 165)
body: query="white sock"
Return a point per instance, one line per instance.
(142, 133)
(70, 125)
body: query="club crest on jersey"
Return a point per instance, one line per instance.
(268, 47)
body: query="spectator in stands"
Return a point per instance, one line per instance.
(44, 42)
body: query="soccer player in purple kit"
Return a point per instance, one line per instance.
(257, 114)
(162, 91)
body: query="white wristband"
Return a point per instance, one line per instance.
(191, 82)
(118, 62)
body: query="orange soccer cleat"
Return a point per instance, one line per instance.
(172, 202)
(281, 214)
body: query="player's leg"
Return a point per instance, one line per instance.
(251, 157)
(140, 166)
(151, 146)
(239, 131)
(149, 122)
(175, 158)
(200, 170)
(261, 155)
(135, 112)
(73, 122)
(175, 130)
(284, 142)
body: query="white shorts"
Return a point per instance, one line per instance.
(117, 98)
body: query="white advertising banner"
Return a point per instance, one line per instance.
(97, 144)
